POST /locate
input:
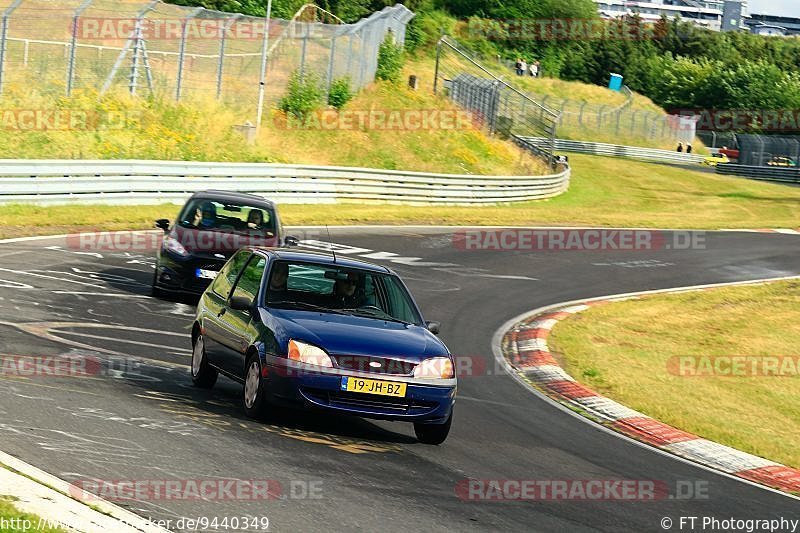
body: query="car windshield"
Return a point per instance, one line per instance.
(215, 215)
(330, 288)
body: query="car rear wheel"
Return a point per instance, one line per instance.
(203, 375)
(253, 399)
(433, 433)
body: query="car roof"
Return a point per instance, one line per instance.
(214, 194)
(288, 254)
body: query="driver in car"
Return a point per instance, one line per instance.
(344, 292)
(205, 216)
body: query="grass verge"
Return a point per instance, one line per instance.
(604, 192)
(626, 351)
(20, 521)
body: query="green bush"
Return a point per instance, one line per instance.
(390, 60)
(340, 93)
(303, 95)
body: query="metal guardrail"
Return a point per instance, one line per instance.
(616, 150)
(779, 174)
(152, 182)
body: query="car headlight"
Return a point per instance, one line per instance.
(171, 244)
(435, 368)
(308, 354)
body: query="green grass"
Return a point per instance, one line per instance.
(604, 192)
(9, 512)
(623, 351)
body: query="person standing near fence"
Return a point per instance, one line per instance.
(523, 67)
(534, 69)
(680, 147)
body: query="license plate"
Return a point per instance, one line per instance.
(206, 274)
(373, 386)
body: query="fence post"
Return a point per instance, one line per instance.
(262, 81)
(221, 60)
(71, 68)
(349, 55)
(331, 61)
(182, 52)
(3, 40)
(303, 48)
(436, 68)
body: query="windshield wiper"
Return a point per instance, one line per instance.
(375, 313)
(306, 305)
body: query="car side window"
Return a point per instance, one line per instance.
(227, 276)
(250, 280)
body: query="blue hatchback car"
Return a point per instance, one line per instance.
(324, 332)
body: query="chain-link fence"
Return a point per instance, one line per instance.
(501, 108)
(594, 121)
(718, 139)
(59, 46)
(769, 151)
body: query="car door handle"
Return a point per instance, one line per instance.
(222, 312)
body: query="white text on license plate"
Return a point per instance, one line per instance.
(374, 386)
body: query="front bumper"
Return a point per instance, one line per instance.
(180, 275)
(427, 401)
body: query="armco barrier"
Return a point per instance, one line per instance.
(617, 150)
(138, 182)
(779, 174)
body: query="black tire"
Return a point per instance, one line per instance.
(203, 374)
(434, 434)
(254, 406)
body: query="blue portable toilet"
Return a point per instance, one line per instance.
(616, 82)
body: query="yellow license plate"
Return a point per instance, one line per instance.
(373, 386)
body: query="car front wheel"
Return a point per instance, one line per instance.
(203, 375)
(433, 433)
(253, 399)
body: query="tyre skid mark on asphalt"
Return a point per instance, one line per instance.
(192, 409)
(67, 442)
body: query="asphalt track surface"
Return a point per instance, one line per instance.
(141, 419)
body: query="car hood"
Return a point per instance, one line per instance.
(353, 335)
(198, 242)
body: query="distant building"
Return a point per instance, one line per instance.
(717, 15)
(773, 25)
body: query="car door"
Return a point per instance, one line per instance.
(215, 301)
(236, 326)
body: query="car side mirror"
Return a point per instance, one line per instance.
(240, 303)
(163, 224)
(291, 240)
(433, 327)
